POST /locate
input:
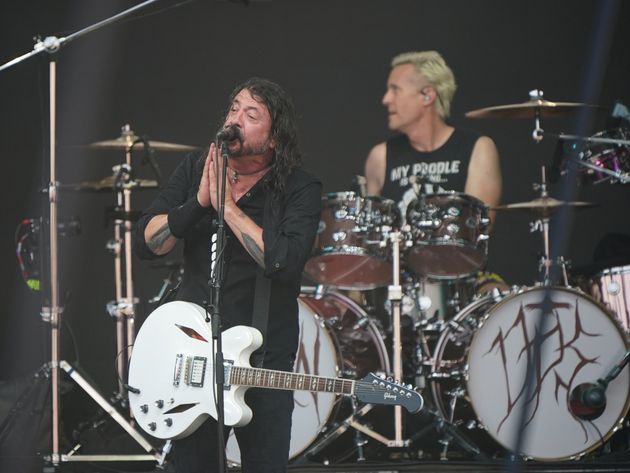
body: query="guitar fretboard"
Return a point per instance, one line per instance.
(262, 378)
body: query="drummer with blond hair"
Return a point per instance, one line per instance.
(426, 149)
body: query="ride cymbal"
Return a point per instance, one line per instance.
(531, 109)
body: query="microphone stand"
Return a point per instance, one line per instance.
(52, 312)
(213, 312)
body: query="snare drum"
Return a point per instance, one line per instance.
(448, 235)
(351, 250)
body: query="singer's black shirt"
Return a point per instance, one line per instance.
(289, 225)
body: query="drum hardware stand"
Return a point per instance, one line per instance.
(538, 134)
(622, 177)
(174, 276)
(123, 308)
(542, 225)
(339, 428)
(395, 297)
(52, 313)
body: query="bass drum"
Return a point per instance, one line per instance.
(481, 361)
(337, 339)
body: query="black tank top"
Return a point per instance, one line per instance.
(444, 169)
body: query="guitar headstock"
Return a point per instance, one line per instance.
(376, 390)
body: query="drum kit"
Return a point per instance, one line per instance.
(465, 338)
(460, 335)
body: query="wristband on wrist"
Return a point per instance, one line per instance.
(181, 218)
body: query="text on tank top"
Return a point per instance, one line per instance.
(442, 170)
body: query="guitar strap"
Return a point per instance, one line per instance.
(260, 316)
(262, 299)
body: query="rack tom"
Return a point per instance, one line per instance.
(449, 235)
(351, 249)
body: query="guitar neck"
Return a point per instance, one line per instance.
(263, 378)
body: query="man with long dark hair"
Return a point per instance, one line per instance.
(272, 211)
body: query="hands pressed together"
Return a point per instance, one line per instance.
(207, 193)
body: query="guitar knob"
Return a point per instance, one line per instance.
(168, 421)
(152, 426)
(159, 403)
(144, 408)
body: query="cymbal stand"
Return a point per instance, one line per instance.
(123, 308)
(542, 225)
(394, 295)
(538, 133)
(51, 313)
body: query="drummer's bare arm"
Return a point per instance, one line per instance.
(158, 236)
(484, 174)
(375, 169)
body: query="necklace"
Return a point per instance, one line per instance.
(235, 174)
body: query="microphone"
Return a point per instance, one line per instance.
(228, 133)
(587, 401)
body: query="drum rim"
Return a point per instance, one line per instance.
(523, 290)
(352, 195)
(463, 195)
(613, 270)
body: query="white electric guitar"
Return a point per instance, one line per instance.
(171, 375)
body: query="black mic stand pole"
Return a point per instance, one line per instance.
(52, 313)
(213, 308)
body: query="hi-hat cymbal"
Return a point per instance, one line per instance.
(109, 184)
(530, 109)
(544, 205)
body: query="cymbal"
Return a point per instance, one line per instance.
(108, 184)
(544, 205)
(545, 108)
(127, 140)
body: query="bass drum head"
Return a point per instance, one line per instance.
(582, 341)
(337, 340)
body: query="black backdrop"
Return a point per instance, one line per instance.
(168, 72)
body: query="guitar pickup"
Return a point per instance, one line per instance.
(195, 372)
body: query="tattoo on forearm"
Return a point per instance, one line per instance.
(254, 250)
(159, 237)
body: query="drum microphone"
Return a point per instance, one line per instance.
(228, 133)
(588, 400)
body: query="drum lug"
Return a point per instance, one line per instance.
(483, 237)
(349, 374)
(453, 228)
(331, 322)
(339, 236)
